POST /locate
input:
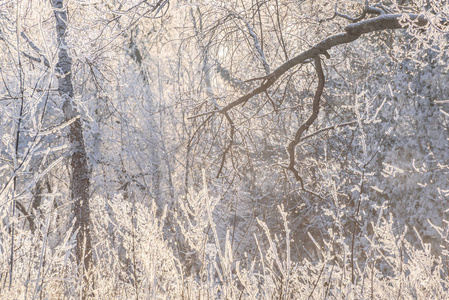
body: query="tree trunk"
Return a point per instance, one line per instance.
(80, 181)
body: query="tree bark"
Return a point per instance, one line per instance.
(80, 178)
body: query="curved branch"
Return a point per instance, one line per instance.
(352, 33)
(315, 110)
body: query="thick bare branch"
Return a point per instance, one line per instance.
(352, 33)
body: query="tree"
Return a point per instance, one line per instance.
(256, 148)
(80, 173)
(284, 106)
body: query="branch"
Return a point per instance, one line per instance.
(367, 10)
(41, 58)
(352, 33)
(28, 217)
(315, 110)
(35, 48)
(328, 128)
(257, 43)
(231, 142)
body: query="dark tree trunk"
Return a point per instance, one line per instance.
(80, 181)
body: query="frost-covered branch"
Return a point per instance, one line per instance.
(33, 46)
(257, 45)
(352, 33)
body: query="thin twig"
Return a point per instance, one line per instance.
(228, 148)
(327, 128)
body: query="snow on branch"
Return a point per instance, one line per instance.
(352, 32)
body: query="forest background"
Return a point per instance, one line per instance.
(250, 149)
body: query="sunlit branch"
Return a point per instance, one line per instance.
(352, 33)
